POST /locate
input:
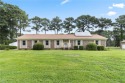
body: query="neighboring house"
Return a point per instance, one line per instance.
(60, 41)
(13, 44)
(123, 44)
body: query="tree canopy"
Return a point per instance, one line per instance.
(45, 24)
(36, 21)
(10, 16)
(68, 24)
(86, 22)
(120, 23)
(56, 24)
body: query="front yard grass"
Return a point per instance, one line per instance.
(62, 66)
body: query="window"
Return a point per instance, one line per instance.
(47, 42)
(35, 41)
(97, 42)
(57, 42)
(23, 42)
(78, 42)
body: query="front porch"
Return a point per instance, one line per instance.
(67, 44)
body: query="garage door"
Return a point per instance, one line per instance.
(123, 46)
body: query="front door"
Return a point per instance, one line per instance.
(65, 45)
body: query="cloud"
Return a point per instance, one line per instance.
(64, 2)
(111, 13)
(110, 7)
(120, 5)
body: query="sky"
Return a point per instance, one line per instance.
(71, 8)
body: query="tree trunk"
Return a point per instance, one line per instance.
(55, 31)
(16, 33)
(11, 32)
(45, 31)
(83, 29)
(36, 31)
(69, 31)
(121, 29)
(20, 31)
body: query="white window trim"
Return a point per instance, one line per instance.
(59, 42)
(81, 42)
(47, 46)
(99, 42)
(48, 42)
(21, 44)
(23, 41)
(77, 42)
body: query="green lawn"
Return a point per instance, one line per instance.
(59, 66)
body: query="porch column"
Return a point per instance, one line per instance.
(73, 42)
(62, 46)
(69, 45)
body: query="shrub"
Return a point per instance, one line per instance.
(3, 47)
(38, 46)
(91, 46)
(6, 48)
(100, 48)
(12, 47)
(75, 47)
(81, 47)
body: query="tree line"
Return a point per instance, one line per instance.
(13, 20)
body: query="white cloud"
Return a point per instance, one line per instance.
(120, 5)
(64, 2)
(110, 7)
(111, 13)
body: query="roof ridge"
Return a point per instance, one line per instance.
(54, 34)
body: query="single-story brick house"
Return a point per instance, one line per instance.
(57, 41)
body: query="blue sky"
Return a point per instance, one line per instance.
(71, 8)
(67, 8)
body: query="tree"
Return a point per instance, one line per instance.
(45, 24)
(104, 23)
(86, 22)
(9, 16)
(22, 22)
(56, 24)
(120, 22)
(68, 24)
(116, 36)
(36, 21)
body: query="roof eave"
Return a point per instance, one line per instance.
(62, 39)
